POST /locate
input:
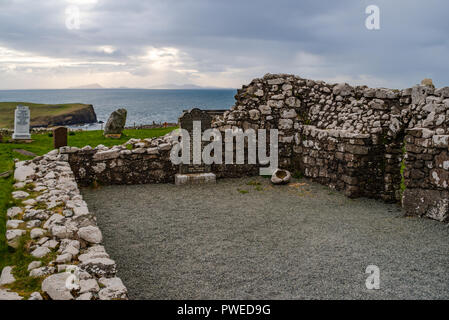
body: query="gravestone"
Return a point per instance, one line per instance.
(59, 137)
(194, 173)
(22, 123)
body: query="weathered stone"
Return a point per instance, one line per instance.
(90, 234)
(6, 276)
(40, 252)
(35, 296)
(13, 224)
(9, 295)
(23, 172)
(343, 89)
(20, 194)
(59, 137)
(34, 265)
(113, 289)
(441, 141)
(13, 237)
(55, 287)
(41, 272)
(116, 122)
(99, 267)
(281, 176)
(36, 233)
(89, 285)
(14, 212)
(64, 258)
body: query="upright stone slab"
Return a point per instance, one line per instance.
(115, 124)
(59, 137)
(194, 173)
(22, 123)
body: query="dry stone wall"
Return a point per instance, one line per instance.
(60, 233)
(350, 138)
(366, 142)
(426, 175)
(135, 162)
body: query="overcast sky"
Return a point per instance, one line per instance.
(222, 43)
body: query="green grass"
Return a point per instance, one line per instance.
(403, 187)
(37, 111)
(41, 144)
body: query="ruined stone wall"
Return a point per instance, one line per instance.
(366, 142)
(426, 174)
(349, 138)
(136, 162)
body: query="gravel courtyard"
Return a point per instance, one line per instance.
(245, 239)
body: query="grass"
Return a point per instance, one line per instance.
(403, 187)
(38, 112)
(41, 144)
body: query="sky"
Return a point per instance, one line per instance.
(217, 43)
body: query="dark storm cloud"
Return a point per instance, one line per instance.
(319, 39)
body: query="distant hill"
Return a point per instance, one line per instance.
(181, 86)
(88, 86)
(45, 115)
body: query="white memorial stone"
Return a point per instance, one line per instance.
(22, 123)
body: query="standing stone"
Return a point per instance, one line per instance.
(59, 137)
(115, 124)
(22, 123)
(194, 173)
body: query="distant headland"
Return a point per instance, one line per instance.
(46, 115)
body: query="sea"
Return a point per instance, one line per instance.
(144, 106)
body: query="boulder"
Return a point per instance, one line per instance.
(116, 123)
(281, 176)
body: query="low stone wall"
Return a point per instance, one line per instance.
(60, 233)
(136, 162)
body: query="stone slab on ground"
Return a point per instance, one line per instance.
(25, 152)
(194, 178)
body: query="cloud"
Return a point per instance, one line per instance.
(220, 43)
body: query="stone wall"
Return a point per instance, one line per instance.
(349, 138)
(136, 162)
(426, 174)
(52, 222)
(360, 140)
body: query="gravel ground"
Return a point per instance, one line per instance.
(289, 242)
